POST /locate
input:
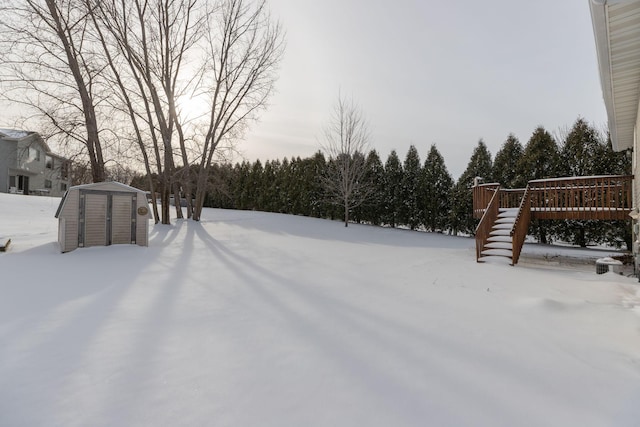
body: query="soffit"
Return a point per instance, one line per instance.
(617, 31)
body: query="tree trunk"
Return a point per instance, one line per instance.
(346, 214)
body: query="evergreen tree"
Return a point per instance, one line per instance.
(317, 198)
(540, 160)
(373, 209)
(283, 180)
(618, 163)
(241, 190)
(254, 186)
(480, 165)
(506, 169)
(437, 186)
(615, 162)
(410, 214)
(268, 193)
(582, 150)
(584, 153)
(393, 188)
(297, 191)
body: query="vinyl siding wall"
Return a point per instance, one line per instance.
(95, 220)
(95, 233)
(69, 215)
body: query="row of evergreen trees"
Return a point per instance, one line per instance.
(582, 151)
(409, 193)
(400, 193)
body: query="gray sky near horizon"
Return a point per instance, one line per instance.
(426, 72)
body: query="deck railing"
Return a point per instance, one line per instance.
(486, 223)
(511, 197)
(482, 195)
(606, 197)
(521, 226)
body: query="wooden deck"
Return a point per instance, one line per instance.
(606, 197)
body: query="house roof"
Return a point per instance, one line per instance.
(616, 26)
(14, 134)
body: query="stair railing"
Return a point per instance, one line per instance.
(521, 226)
(486, 223)
(482, 195)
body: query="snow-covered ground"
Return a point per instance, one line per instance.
(255, 319)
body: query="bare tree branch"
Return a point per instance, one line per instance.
(346, 138)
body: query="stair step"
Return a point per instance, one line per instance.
(500, 232)
(509, 220)
(497, 252)
(499, 245)
(500, 238)
(499, 226)
(508, 212)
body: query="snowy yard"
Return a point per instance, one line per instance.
(254, 319)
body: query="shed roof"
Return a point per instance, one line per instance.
(616, 26)
(107, 186)
(100, 186)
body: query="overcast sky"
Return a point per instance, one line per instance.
(428, 72)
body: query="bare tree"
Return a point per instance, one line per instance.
(345, 143)
(243, 49)
(144, 57)
(233, 48)
(47, 66)
(145, 43)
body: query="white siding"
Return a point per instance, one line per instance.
(95, 222)
(95, 225)
(121, 219)
(61, 233)
(70, 216)
(142, 222)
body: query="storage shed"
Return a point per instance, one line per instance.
(102, 214)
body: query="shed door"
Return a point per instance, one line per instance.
(95, 220)
(121, 219)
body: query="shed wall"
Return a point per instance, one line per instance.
(70, 216)
(95, 231)
(96, 222)
(121, 219)
(142, 223)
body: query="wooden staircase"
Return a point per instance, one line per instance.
(502, 230)
(499, 242)
(505, 214)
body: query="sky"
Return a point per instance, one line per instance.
(427, 72)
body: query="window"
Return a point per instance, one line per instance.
(34, 154)
(47, 183)
(63, 186)
(48, 162)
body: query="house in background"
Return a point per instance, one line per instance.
(616, 26)
(27, 165)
